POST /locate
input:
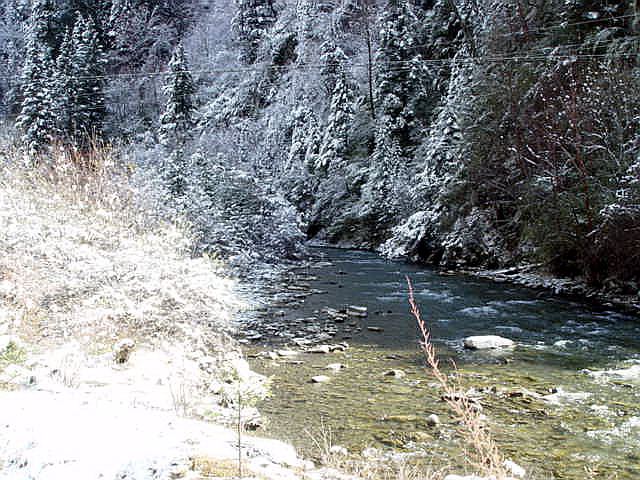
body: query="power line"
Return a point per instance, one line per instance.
(401, 64)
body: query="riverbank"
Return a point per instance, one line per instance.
(532, 276)
(116, 351)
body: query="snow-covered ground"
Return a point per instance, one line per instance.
(83, 268)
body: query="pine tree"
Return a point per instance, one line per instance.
(87, 110)
(305, 137)
(64, 81)
(252, 20)
(178, 120)
(37, 119)
(43, 23)
(335, 138)
(402, 79)
(332, 61)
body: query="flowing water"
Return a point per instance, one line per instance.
(564, 403)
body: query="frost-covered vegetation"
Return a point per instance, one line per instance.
(463, 133)
(82, 259)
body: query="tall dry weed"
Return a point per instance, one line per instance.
(485, 454)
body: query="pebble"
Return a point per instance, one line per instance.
(515, 469)
(287, 353)
(336, 366)
(339, 450)
(320, 349)
(433, 420)
(356, 311)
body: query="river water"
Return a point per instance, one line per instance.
(564, 403)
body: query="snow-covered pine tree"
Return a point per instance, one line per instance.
(252, 20)
(332, 61)
(37, 119)
(402, 79)
(178, 120)
(88, 64)
(64, 85)
(334, 142)
(305, 138)
(307, 19)
(42, 23)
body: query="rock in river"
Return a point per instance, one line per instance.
(320, 349)
(486, 342)
(320, 379)
(394, 373)
(357, 311)
(336, 366)
(433, 420)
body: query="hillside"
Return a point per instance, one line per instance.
(451, 132)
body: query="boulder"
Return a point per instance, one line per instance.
(394, 373)
(320, 379)
(487, 342)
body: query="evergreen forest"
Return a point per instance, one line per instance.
(457, 133)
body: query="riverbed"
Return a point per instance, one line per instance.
(563, 404)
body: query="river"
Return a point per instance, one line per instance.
(563, 404)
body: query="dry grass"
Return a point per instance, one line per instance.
(81, 259)
(362, 468)
(484, 453)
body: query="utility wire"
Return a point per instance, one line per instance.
(401, 64)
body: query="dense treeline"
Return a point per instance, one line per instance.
(457, 132)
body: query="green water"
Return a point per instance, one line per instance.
(591, 422)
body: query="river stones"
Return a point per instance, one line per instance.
(487, 342)
(320, 379)
(338, 316)
(340, 347)
(514, 469)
